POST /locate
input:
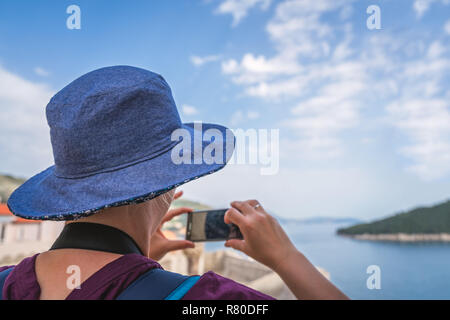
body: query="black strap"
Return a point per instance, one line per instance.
(97, 237)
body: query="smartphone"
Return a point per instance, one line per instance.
(203, 226)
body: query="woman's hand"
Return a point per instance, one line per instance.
(159, 244)
(265, 240)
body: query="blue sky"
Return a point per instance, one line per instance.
(364, 115)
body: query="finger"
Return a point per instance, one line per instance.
(243, 207)
(256, 205)
(173, 245)
(234, 216)
(236, 244)
(177, 195)
(161, 233)
(175, 212)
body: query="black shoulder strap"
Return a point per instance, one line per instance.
(94, 236)
(158, 284)
(3, 275)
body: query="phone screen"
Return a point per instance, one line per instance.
(210, 226)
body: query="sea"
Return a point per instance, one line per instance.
(404, 270)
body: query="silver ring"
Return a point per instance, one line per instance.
(257, 206)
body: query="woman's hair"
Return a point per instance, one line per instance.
(156, 205)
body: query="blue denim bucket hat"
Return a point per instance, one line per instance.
(117, 139)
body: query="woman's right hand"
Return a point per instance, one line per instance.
(266, 242)
(264, 238)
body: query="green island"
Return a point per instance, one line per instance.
(420, 224)
(7, 185)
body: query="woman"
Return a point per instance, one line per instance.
(113, 181)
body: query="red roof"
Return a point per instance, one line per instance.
(4, 211)
(25, 221)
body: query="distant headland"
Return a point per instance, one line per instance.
(7, 185)
(417, 225)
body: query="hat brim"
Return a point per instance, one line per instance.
(48, 197)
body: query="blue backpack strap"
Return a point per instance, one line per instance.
(158, 284)
(183, 288)
(3, 275)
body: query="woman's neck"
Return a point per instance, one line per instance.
(135, 220)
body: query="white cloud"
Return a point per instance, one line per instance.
(447, 27)
(237, 118)
(273, 90)
(421, 112)
(426, 122)
(41, 72)
(298, 33)
(200, 61)
(346, 12)
(298, 28)
(422, 6)
(390, 76)
(189, 110)
(253, 115)
(240, 117)
(436, 50)
(239, 8)
(24, 134)
(257, 69)
(320, 119)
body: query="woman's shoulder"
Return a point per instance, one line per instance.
(212, 286)
(22, 276)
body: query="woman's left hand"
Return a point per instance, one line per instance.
(159, 244)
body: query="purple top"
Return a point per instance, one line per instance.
(108, 282)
